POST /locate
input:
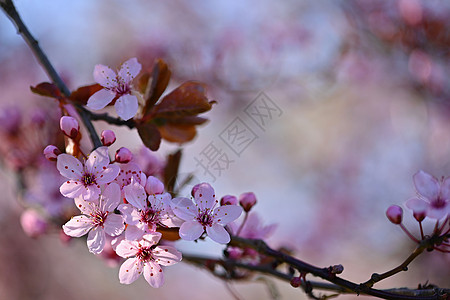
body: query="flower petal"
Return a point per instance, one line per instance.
(205, 196)
(110, 197)
(130, 69)
(184, 208)
(126, 106)
(152, 239)
(218, 234)
(86, 207)
(226, 214)
(96, 240)
(107, 175)
(130, 213)
(438, 213)
(69, 166)
(105, 76)
(166, 255)
(78, 226)
(114, 225)
(98, 159)
(71, 189)
(445, 189)
(100, 99)
(127, 248)
(153, 274)
(136, 195)
(130, 270)
(426, 185)
(417, 205)
(133, 233)
(191, 230)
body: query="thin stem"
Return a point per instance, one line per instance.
(242, 224)
(408, 233)
(421, 230)
(10, 10)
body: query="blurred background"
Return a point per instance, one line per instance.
(341, 102)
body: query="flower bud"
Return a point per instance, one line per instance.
(247, 201)
(154, 186)
(69, 126)
(123, 155)
(296, 282)
(108, 137)
(394, 213)
(32, 223)
(419, 215)
(51, 152)
(228, 200)
(194, 189)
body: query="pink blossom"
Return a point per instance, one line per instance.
(108, 137)
(51, 152)
(116, 86)
(98, 219)
(85, 179)
(69, 126)
(154, 186)
(123, 155)
(203, 215)
(247, 201)
(433, 196)
(144, 257)
(32, 223)
(394, 213)
(143, 217)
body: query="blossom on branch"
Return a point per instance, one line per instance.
(98, 219)
(433, 196)
(86, 179)
(116, 86)
(203, 215)
(144, 257)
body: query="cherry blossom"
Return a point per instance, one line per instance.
(143, 217)
(203, 215)
(433, 196)
(116, 86)
(98, 219)
(144, 257)
(85, 179)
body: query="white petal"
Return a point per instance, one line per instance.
(110, 197)
(86, 207)
(78, 226)
(152, 238)
(69, 166)
(96, 240)
(136, 195)
(166, 255)
(129, 70)
(184, 208)
(126, 106)
(205, 196)
(71, 189)
(130, 270)
(114, 225)
(218, 234)
(153, 274)
(105, 76)
(130, 213)
(426, 185)
(97, 161)
(191, 230)
(100, 99)
(226, 214)
(133, 233)
(127, 248)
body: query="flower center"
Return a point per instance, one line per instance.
(88, 179)
(205, 219)
(439, 203)
(122, 88)
(99, 218)
(145, 254)
(150, 216)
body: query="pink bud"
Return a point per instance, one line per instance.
(108, 137)
(247, 200)
(69, 126)
(394, 213)
(419, 215)
(51, 152)
(228, 200)
(154, 186)
(194, 189)
(32, 223)
(296, 282)
(123, 155)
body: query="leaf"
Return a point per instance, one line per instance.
(169, 234)
(171, 170)
(159, 81)
(150, 135)
(47, 89)
(142, 82)
(188, 99)
(82, 94)
(177, 133)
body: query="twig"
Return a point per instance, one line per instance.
(10, 10)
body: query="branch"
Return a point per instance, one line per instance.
(10, 10)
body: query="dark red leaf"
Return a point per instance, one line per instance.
(82, 94)
(177, 133)
(47, 89)
(188, 120)
(150, 135)
(159, 81)
(171, 170)
(188, 99)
